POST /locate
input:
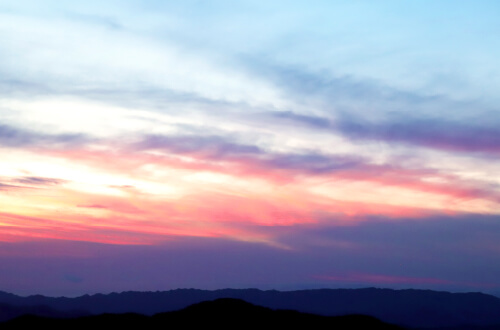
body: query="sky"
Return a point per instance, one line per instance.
(153, 145)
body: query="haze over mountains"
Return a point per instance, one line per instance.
(409, 308)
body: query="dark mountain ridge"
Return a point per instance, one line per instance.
(222, 313)
(412, 308)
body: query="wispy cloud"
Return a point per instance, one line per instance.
(18, 137)
(38, 181)
(433, 133)
(212, 147)
(6, 187)
(438, 134)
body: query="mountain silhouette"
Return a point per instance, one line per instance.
(408, 308)
(8, 312)
(224, 313)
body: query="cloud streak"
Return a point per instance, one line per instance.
(436, 134)
(39, 181)
(15, 137)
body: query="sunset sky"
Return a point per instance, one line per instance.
(154, 145)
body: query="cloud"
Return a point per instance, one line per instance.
(14, 137)
(438, 134)
(17, 137)
(23, 89)
(256, 161)
(246, 158)
(306, 120)
(426, 238)
(437, 252)
(93, 206)
(313, 163)
(39, 181)
(331, 93)
(27, 182)
(111, 230)
(367, 110)
(434, 133)
(6, 187)
(217, 154)
(212, 147)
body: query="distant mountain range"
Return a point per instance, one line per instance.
(407, 308)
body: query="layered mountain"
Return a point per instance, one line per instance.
(225, 313)
(409, 308)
